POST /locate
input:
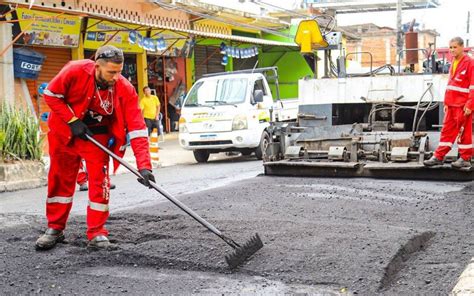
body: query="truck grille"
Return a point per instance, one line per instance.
(203, 143)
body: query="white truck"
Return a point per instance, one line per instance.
(230, 112)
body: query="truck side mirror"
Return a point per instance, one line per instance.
(258, 96)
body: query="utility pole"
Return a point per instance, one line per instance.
(467, 28)
(399, 28)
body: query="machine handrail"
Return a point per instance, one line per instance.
(366, 52)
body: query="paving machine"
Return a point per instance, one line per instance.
(365, 125)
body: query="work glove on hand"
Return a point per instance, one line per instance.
(79, 129)
(147, 177)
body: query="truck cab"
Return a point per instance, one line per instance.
(227, 112)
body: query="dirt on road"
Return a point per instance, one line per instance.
(321, 236)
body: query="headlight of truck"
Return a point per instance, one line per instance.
(182, 125)
(239, 122)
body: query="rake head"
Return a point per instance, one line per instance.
(244, 252)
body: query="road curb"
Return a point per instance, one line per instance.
(465, 284)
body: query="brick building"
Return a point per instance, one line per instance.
(381, 43)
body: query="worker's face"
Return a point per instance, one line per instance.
(455, 49)
(107, 73)
(147, 91)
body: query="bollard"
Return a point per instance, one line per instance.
(154, 146)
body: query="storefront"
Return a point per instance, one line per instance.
(52, 35)
(167, 73)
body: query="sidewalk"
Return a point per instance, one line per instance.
(170, 153)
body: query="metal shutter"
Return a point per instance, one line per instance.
(207, 59)
(243, 64)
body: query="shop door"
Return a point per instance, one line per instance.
(207, 59)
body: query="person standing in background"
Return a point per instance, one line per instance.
(150, 106)
(458, 106)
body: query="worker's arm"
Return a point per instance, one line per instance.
(136, 129)
(142, 107)
(56, 92)
(158, 107)
(470, 102)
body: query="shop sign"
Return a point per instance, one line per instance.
(27, 63)
(47, 28)
(172, 44)
(99, 32)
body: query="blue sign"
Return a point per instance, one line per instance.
(27, 63)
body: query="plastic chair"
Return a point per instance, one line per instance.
(161, 137)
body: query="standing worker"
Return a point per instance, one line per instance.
(82, 178)
(90, 98)
(458, 106)
(150, 106)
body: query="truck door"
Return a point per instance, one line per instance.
(263, 107)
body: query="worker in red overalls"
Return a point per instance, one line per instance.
(82, 178)
(458, 106)
(90, 97)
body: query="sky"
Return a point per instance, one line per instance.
(449, 19)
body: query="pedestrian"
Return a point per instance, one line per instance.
(458, 106)
(90, 98)
(150, 106)
(82, 177)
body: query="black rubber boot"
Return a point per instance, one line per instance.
(101, 242)
(461, 164)
(49, 239)
(432, 161)
(83, 187)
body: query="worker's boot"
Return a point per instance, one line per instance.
(83, 187)
(49, 239)
(432, 161)
(100, 242)
(461, 164)
(112, 186)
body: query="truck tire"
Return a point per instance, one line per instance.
(260, 151)
(201, 156)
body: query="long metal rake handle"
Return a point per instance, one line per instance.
(163, 192)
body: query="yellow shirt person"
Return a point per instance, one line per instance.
(150, 106)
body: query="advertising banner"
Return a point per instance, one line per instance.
(99, 32)
(47, 28)
(170, 43)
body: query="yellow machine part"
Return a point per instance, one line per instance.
(308, 36)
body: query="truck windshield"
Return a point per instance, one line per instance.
(213, 92)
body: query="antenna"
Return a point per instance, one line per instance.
(255, 66)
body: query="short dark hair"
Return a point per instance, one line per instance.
(109, 53)
(458, 40)
(145, 87)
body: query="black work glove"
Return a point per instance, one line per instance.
(147, 177)
(79, 129)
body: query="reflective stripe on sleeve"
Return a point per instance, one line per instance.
(449, 144)
(471, 87)
(138, 134)
(459, 89)
(51, 94)
(59, 199)
(465, 146)
(98, 206)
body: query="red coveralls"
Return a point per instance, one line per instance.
(459, 93)
(82, 175)
(70, 94)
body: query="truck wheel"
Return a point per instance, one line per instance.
(201, 155)
(260, 151)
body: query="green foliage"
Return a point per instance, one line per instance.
(19, 135)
